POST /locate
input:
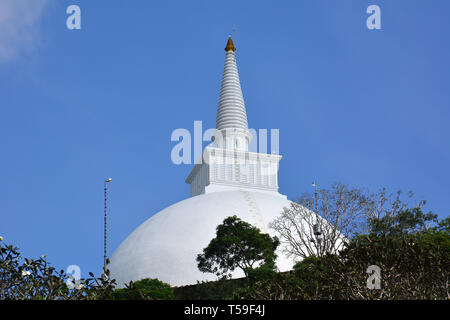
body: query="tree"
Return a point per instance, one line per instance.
(391, 216)
(36, 279)
(412, 266)
(340, 214)
(237, 245)
(145, 289)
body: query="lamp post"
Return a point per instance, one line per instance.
(104, 257)
(316, 227)
(314, 184)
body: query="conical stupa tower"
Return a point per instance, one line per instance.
(231, 121)
(228, 165)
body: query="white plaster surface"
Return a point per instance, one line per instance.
(166, 245)
(231, 111)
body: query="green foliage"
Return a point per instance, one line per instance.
(221, 289)
(413, 266)
(405, 221)
(36, 279)
(237, 244)
(443, 226)
(283, 286)
(266, 271)
(437, 236)
(145, 289)
(309, 275)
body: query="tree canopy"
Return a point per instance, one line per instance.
(237, 245)
(145, 289)
(411, 266)
(35, 279)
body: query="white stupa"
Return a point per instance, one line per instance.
(229, 181)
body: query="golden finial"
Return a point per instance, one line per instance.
(230, 45)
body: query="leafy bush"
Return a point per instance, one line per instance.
(145, 289)
(413, 266)
(36, 279)
(211, 290)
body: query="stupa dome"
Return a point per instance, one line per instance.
(166, 245)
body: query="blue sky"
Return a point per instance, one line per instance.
(369, 108)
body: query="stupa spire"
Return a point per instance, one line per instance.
(228, 164)
(231, 113)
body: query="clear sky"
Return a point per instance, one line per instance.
(369, 108)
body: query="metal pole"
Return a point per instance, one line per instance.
(104, 257)
(316, 227)
(105, 260)
(315, 195)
